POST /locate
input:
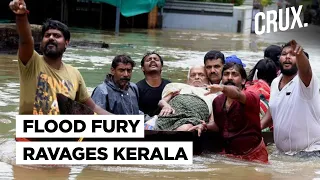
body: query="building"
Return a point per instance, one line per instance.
(75, 13)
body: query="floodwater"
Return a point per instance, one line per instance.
(180, 49)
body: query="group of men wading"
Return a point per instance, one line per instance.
(218, 95)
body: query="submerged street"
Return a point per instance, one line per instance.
(180, 49)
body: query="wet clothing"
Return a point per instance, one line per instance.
(115, 100)
(240, 125)
(189, 109)
(305, 154)
(295, 111)
(259, 86)
(39, 84)
(258, 154)
(262, 89)
(149, 97)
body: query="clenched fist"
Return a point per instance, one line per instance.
(18, 7)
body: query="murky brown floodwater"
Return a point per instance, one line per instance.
(180, 49)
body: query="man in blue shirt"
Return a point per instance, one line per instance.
(117, 94)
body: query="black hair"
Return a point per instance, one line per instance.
(214, 55)
(237, 67)
(273, 52)
(267, 70)
(54, 24)
(148, 54)
(125, 59)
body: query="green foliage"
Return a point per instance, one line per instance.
(238, 2)
(265, 3)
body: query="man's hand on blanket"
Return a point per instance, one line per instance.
(166, 110)
(200, 128)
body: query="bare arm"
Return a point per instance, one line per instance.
(164, 101)
(266, 121)
(230, 91)
(26, 44)
(212, 126)
(96, 108)
(305, 72)
(166, 109)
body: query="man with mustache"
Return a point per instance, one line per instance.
(184, 106)
(213, 62)
(117, 94)
(151, 87)
(43, 76)
(236, 116)
(295, 104)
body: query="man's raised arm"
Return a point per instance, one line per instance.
(26, 44)
(304, 68)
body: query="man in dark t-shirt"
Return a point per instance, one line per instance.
(150, 96)
(151, 87)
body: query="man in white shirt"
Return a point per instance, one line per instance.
(295, 104)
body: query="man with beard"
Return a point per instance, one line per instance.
(151, 87)
(184, 106)
(117, 94)
(236, 116)
(42, 77)
(295, 105)
(213, 62)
